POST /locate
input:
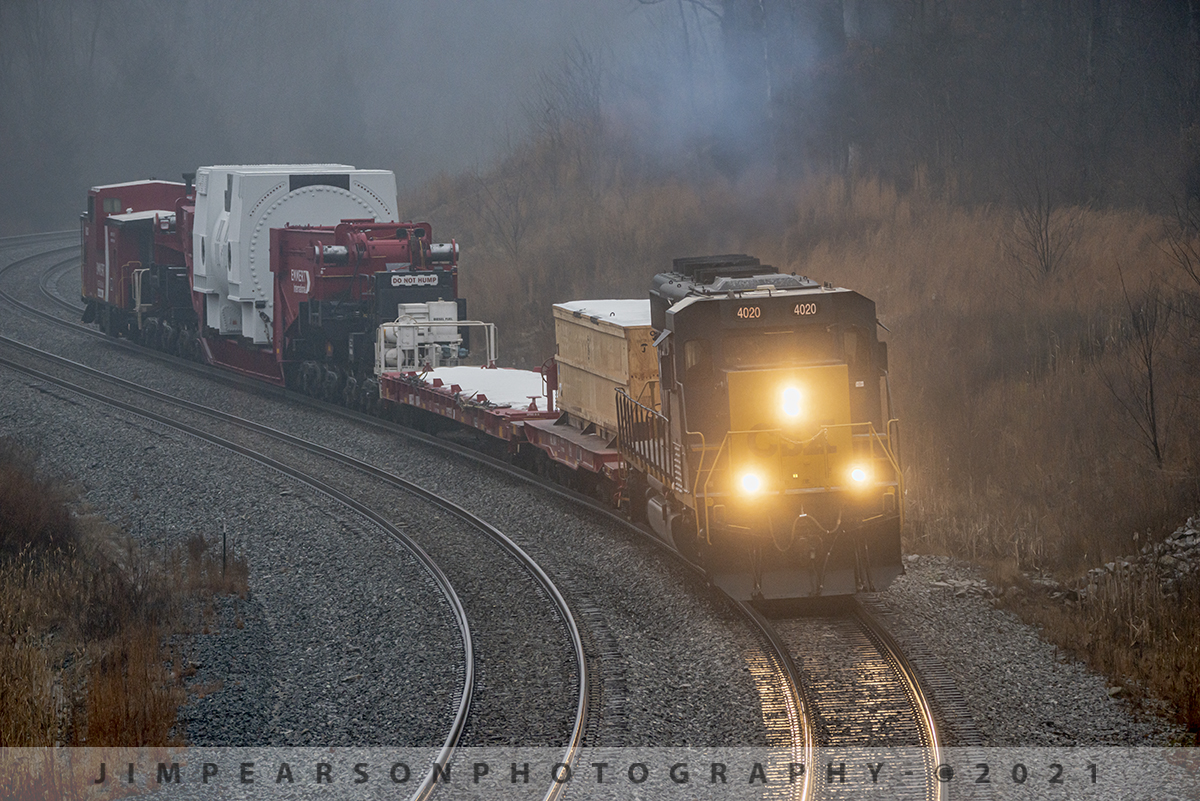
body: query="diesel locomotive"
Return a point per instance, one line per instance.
(742, 414)
(770, 455)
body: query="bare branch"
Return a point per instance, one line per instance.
(1134, 381)
(1043, 232)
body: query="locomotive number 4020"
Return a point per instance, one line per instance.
(804, 309)
(749, 312)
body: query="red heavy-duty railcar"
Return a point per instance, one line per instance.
(282, 275)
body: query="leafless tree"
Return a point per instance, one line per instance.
(504, 201)
(1183, 239)
(567, 114)
(1136, 378)
(1043, 230)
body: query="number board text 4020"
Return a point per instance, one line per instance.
(774, 312)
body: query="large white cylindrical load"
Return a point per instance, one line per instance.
(236, 208)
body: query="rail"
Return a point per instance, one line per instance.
(448, 748)
(936, 789)
(429, 785)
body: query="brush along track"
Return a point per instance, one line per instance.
(783, 709)
(621, 692)
(491, 600)
(466, 669)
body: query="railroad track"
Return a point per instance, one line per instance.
(266, 447)
(808, 713)
(782, 703)
(866, 702)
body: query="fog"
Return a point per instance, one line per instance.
(113, 91)
(1086, 103)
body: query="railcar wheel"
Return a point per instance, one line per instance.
(117, 324)
(371, 396)
(363, 398)
(635, 496)
(310, 378)
(188, 343)
(685, 536)
(149, 333)
(170, 337)
(330, 388)
(107, 321)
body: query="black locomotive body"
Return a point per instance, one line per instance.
(771, 460)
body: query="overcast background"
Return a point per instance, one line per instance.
(116, 90)
(1086, 102)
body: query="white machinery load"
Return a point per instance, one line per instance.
(426, 335)
(236, 208)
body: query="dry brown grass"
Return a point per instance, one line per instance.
(84, 617)
(132, 697)
(1146, 642)
(1016, 450)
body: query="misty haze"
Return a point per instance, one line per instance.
(1014, 185)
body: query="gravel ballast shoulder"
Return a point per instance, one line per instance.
(671, 654)
(672, 658)
(345, 638)
(1021, 690)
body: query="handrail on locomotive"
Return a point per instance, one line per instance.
(645, 434)
(870, 435)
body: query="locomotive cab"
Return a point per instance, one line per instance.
(771, 461)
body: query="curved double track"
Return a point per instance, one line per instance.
(446, 752)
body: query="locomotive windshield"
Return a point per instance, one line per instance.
(778, 347)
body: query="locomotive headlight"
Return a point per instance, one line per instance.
(751, 483)
(791, 402)
(859, 475)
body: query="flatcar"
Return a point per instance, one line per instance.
(743, 415)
